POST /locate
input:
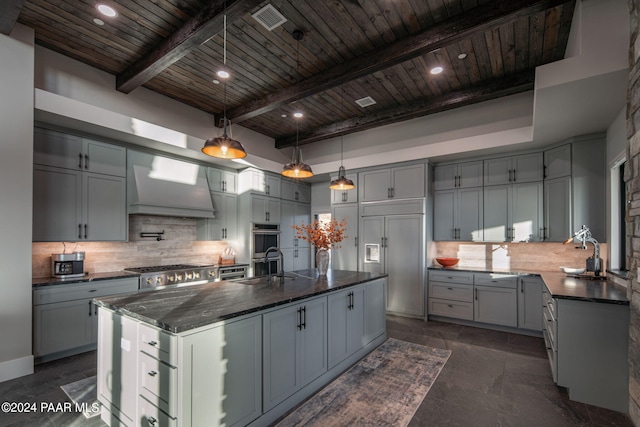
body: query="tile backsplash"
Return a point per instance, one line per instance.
(178, 247)
(517, 256)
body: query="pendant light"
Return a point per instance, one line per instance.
(224, 147)
(297, 168)
(342, 182)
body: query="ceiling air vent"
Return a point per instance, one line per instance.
(365, 102)
(269, 17)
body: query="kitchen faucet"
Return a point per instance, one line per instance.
(280, 273)
(584, 235)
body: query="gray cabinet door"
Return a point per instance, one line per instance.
(57, 204)
(346, 324)
(496, 227)
(526, 212)
(346, 256)
(105, 208)
(374, 310)
(530, 303)
(470, 174)
(57, 149)
(497, 171)
(557, 162)
(557, 209)
(103, 158)
(222, 181)
(469, 214)
(407, 181)
(495, 305)
(445, 177)
(528, 167)
(374, 185)
(63, 326)
(404, 262)
(288, 219)
(444, 215)
(345, 196)
(295, 349)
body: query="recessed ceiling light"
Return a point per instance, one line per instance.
(297, 114)
(106, 10)
(98, 21)
(462, 56)
(216, 81)
(223, 74)
(436, 70)
(283, 115)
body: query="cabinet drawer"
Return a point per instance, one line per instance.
(548, 303)
(85, 290)
(158, 383)
(552, 355)
(550, 329)
(495, 279)
(459, 310)
(451, 276)
(451, 291)
(150, 416)
(158, 344)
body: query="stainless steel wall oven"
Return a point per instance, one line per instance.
(264, 236)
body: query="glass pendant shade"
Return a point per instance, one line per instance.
(224, 147)
(297, 168)
(342, 182)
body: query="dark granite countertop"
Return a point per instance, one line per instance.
(560, 285)
(183, 308)
(88, 277)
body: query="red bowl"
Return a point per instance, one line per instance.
(447, 262)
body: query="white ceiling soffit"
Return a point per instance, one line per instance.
(269, 17)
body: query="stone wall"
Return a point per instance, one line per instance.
(178, 247)
(632, 179)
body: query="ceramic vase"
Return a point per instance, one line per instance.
(322, 261)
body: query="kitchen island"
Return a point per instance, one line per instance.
(239, 352)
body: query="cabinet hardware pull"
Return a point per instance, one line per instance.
(152, 373)
(86, 161)
(299, 318)
(152, 421)
(95, 309)
(356, 241)
(79, 231)
(89, 308)
(514, 175)
(93, 290)
(304, 317)
(450, 289)
(449, 305)
(152, 343)
(393, 192)
(85, 231)
(476, 293)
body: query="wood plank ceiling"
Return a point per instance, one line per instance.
(351, 49)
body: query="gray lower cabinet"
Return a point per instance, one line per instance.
(65, 320)
(587, 345)
(295, 349)
(451, 294)
(529, 302)
(495, 299)
(346, 323)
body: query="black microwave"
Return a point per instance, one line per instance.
(263, 237)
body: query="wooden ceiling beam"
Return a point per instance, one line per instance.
(507, 85)
(197, 30)
(445, 33)
(9, 11)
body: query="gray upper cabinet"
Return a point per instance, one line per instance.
(557, 209)
(225, 224)
(514, 169)
(62, 150)
(513, 213)
(222, 181)
(395, 183)
(346, 256)
(458, 214)
(557, 162)
(458, 175)
(295, 191)
(256, 181)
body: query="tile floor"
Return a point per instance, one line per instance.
(491, 379)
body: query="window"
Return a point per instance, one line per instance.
(618, 248)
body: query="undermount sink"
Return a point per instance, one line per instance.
(262, 280)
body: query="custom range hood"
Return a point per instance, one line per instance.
(159, 185)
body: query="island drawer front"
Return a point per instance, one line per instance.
(451, 276)
(158, 383)
(451, 291)
(459, 310)
(150, 416)
(76, 291)
(493, 279)
(158, 344)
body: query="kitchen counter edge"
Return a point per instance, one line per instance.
(39, 282)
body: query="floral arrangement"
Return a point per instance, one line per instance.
(322, 235)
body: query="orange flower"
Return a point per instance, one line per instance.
(322, 235)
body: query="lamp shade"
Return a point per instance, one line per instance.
(342, 182)
(224, 147)
(296, 168)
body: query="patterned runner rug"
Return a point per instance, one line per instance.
(383, 389)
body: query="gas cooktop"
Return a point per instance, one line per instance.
(162, 276)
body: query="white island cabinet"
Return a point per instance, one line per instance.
(232, 353)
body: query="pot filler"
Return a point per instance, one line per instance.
(594, 263)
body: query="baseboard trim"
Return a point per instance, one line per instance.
(16, 368)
